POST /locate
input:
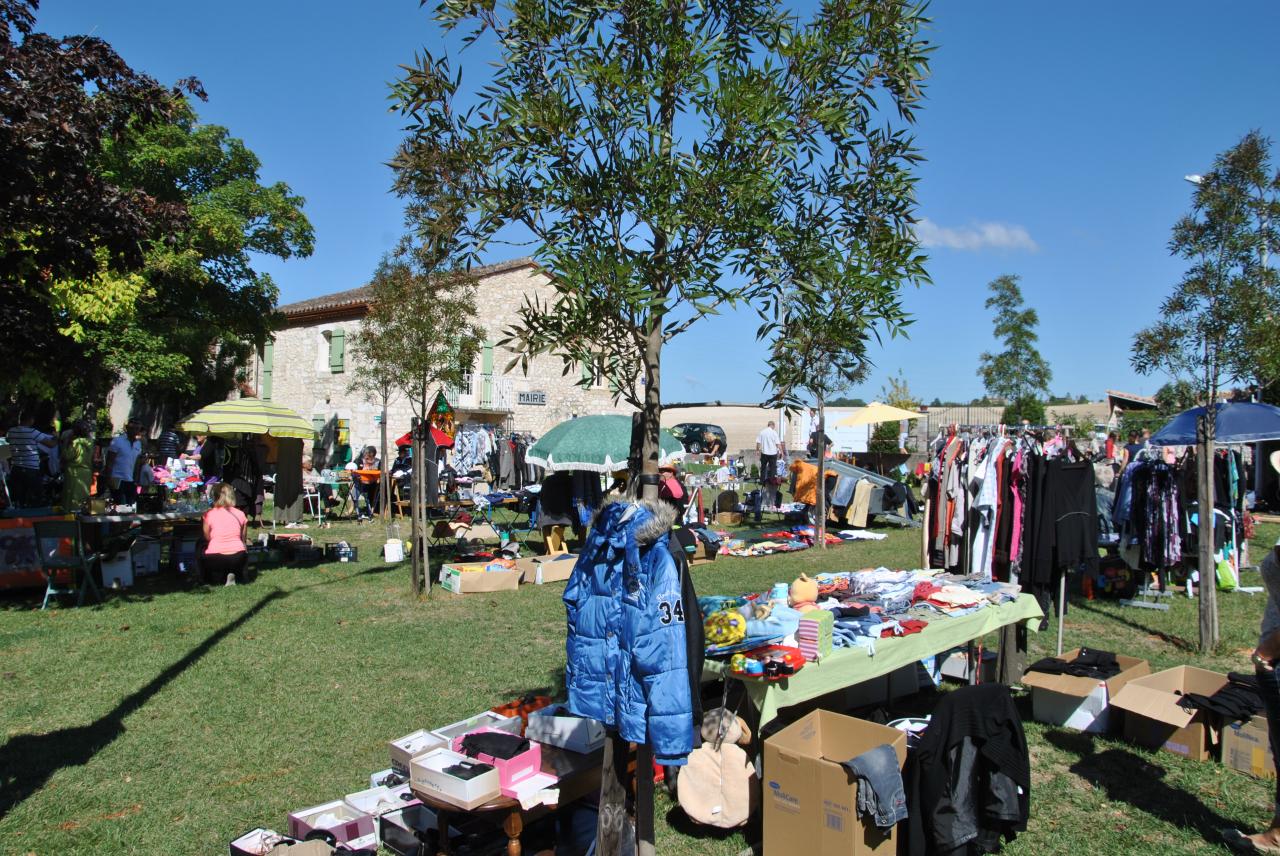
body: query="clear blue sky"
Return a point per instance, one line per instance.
(1057, 136)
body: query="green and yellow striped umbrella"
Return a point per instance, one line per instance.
(247, 416)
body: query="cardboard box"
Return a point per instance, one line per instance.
(511, 771)
(379, 800)
(473, 579)
(539, 570)
(1153, 718)
(485, 719)
(257, 842)
(1246, 747)
(427, 774)
(405, 749)
(810, 806)
(729, 518)
(555, 726)
(956, 666)
(337, 818)
(1081, 704)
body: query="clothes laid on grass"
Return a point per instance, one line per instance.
(1238, 701)
(626, 648)
(1087, 664)
(968, 782)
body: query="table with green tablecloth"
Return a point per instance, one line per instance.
(847, 667)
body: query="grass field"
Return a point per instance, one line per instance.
(168, 721)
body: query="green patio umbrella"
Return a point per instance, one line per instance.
(597, 444)
(248, 416)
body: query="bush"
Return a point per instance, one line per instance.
(1028, 408)
(884, 438)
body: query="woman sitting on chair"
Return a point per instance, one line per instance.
(225, 555)
(366, 487)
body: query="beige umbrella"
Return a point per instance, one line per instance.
(875, 413)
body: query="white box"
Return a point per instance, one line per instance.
(555, 726)
(338, 818)
(379, 800)
(117, 571)
(426, 773)
(405, 749)
(146, 557)
(487, 719)
(375, 779)
(364, 842)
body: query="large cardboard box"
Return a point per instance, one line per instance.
(1081, 704)
(729, 518)
(540, 570)
(473, 579)
(1246, 747)
(1153, 718)
(555, 726)
(810, 806)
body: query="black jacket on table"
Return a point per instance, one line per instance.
(969, 779)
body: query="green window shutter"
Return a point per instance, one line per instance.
(486, 358)
(337, 351)
(317, 425)
(268, 360)
(586, 373)
(613, 386)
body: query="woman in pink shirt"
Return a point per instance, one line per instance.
(225, 556)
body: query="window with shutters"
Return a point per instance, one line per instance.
(268, 369)
(337, 351)
(593, 373)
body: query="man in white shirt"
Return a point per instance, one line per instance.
(769, 445)
(122, 464)
(26, 442)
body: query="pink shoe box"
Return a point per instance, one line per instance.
(511, 771)
(337, 818)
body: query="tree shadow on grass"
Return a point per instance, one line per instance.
(27, 761)
(1169, 638)
(1129, 778)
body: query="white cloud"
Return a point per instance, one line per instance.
(976, 236)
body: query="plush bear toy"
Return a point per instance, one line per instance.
(804, 593)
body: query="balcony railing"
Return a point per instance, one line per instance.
(482, 392)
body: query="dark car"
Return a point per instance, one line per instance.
(694, 437)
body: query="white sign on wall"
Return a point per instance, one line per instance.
(534, 398)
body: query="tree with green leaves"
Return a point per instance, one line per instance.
(64, 100)
(651, 151)
(1017, 374)
(420, 334)
(1218, 325)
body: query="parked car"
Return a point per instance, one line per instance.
(694, 437)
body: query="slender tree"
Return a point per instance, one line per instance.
(1018, 374)
(648, 148)
(1218, 325)
(420, 333)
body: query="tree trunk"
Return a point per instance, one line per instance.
(1207, 567)
(820, 524)
(417, 534)
(651, 414)
(384, 485)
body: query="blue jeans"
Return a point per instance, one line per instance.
(1269, 689)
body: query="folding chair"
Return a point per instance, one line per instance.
(61, 547)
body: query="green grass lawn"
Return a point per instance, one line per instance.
(169, 721)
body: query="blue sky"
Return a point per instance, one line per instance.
(1056, 135)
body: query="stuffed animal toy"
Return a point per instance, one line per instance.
(717, 786)
(804, 593)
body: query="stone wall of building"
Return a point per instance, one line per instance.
(302, 378)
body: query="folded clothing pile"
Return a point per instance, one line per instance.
(1238, 701)
(1089, 663)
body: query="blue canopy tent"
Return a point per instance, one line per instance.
(1234, 423)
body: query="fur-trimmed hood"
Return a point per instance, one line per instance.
(655, 524)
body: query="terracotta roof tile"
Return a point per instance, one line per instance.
(358, 297)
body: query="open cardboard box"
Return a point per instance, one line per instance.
(337, 818)
(1082, 704)
(484, 719)
(539, 570)
(1153, 718)
(555, 726)
(1246, 747)
(810, 806)
(474, 579)
(405, 749)
(426, 774)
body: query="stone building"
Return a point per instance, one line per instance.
(310, 365)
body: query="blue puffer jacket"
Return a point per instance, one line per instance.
(626, 645)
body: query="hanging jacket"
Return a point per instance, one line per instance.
(969, 778)
(627, 663)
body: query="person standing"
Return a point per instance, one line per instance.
(168, 445)
(1131, 450)
(77, 467)
(123, 457)
(1265, 658)
(769, 445)
(25, 479)
(225, 555)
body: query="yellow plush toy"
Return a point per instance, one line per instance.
(726, 627)
(804, 593)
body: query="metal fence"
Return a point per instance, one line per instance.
(937, 418)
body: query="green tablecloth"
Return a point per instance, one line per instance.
(847, 667)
